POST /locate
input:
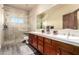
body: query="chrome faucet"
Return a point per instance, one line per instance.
(68, 35)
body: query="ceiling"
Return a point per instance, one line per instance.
(22, 6)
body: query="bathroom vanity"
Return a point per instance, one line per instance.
(49, 44)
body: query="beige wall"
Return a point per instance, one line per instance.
(43, 7)
(1, 23)
(32, 17)
(54, 15)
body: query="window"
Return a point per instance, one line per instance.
(17, 20)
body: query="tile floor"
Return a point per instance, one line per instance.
(18, 49)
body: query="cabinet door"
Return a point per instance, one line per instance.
(48, 48)
(40, 48)
(30, 39)
(56, 48)
(40, 44)
(35, 41)
(65, 49)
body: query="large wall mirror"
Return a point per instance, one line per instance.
(49, 18)
(60, 16)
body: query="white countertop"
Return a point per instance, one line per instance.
(73, 40)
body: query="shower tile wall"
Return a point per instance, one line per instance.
(1, 23)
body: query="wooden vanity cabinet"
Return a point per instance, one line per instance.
(40, 44)
(52, 47)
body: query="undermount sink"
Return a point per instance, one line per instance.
(74, 39)
(61, 36)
